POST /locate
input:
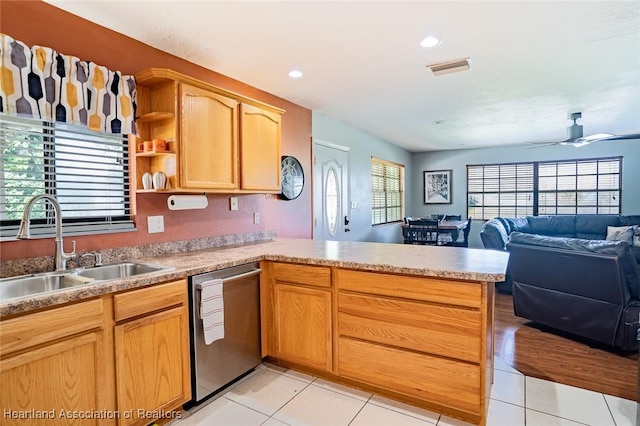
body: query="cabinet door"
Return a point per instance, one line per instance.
(303, 326)
(208, 140)
(259, 149)
(56, 381)
(152, 364)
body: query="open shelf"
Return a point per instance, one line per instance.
(155, 116)
(153, 153)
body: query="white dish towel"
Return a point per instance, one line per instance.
(212, 310)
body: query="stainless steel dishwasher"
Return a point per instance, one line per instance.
(219, 364)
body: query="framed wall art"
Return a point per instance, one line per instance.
(437, 187)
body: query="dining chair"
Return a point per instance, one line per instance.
(465, 235)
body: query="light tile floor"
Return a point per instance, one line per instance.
(272, 396)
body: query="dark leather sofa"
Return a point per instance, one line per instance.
(495, 232)
(589, 288)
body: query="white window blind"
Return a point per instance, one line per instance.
(585, 186)
(88, 172)
(387, 191)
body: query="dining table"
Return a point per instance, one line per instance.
(452, 227)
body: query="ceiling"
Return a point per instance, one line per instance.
(532, 63)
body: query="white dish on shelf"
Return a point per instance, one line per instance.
(147, 181)
(159, 180)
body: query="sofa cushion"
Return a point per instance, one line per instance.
(552, 225)
(621, 233)
(617, 248)
(629, 220)
(594, 226)
(636, 254)
(517, 224)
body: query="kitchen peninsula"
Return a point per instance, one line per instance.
(411, 322)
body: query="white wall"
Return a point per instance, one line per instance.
(457, 160)
(363, 146)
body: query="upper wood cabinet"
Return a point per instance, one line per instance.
(220, 141)
(209, 135)
(260, 149)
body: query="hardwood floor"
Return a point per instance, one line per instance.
(537, 351)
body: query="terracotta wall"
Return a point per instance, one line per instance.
(36, 22)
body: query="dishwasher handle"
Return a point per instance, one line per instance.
(236, 277)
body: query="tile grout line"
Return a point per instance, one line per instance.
(360, 410)
(610, 412)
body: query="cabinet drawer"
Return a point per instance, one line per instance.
(319, 276)
(34, 329)
(441, 381)
(436, 329)
(436, 290)
(149, 299)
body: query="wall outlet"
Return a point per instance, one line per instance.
(233, 203)
(256, 218)
(155, 224)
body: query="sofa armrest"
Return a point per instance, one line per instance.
(494, 235)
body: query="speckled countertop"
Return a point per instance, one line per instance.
(445, 262)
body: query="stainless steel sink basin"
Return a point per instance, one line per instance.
(118, 270)
(28, 285)
(24, 286)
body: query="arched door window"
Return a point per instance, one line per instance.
(332, 201)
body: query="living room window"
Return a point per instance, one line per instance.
(387, 191)
(585, 186)
(87, 171)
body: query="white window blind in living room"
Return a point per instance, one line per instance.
(87, 171)
(584, 186)
(387, 191)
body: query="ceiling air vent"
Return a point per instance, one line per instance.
(450, 66)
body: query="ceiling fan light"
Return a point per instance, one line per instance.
(430, 41)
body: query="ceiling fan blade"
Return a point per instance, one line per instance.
(542, 144)
(607, 137)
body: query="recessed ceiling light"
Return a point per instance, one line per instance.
(295, 74)
(430, 41)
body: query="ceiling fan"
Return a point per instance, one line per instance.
(575, 135)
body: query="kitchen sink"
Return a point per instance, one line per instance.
(118, 270)
(28, 285)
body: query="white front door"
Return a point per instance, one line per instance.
(330, 191)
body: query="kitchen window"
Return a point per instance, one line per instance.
(87, 171)
(387, 191)
(584, 186)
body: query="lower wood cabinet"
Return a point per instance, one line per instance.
(303, 325)
(427, 341)
(296, 315)
(120, 359)
(52, 368)
(152, 352)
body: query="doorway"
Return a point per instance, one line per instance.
(330, 191)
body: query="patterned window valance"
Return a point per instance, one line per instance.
(41, 83)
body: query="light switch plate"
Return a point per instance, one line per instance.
(233, 203)
(155, 224)
(256, 218)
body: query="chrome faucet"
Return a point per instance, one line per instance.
(97, 258)
(24, 233)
